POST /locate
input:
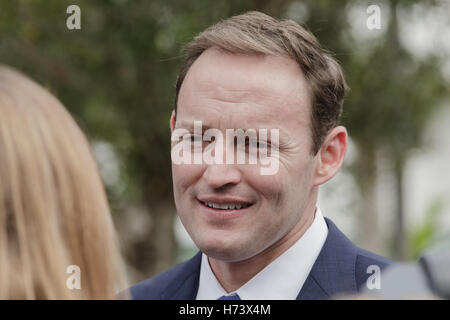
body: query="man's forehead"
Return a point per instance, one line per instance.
(230, 89)
(241, 113)
(244, 93)
(240, 76)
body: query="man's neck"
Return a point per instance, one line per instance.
(233, 275)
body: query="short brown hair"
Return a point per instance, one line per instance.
(255, 33)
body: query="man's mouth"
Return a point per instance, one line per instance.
(224, 203)
(226, 206)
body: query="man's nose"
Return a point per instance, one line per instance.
(220, 175)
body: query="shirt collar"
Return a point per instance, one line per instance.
(282, 279)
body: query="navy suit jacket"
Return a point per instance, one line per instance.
(340, 268)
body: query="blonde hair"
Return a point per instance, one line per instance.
(53, 207)
(255, 33)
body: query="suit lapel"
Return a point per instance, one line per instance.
(184, 285)
(334, 270)
(311, 290)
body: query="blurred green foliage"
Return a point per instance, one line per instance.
(424, 235)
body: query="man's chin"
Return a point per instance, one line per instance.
(226, 254)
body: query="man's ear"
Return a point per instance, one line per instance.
(331, 155)
(172, 121)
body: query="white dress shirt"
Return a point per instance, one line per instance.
(282, 279)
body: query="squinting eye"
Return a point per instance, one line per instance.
(258, 144)
(193, 138)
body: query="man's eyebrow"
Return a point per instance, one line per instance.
(189, 124)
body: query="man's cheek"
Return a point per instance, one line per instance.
(183, 176)
(267, 185)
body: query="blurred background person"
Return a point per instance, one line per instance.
(53, 208)
(426, 278)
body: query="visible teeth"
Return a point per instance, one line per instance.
(226, 206)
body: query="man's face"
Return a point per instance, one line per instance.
(229, 91)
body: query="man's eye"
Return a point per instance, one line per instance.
(258, 144)
(193, 138)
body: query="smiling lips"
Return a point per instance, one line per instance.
(226, 206)
(227, 203)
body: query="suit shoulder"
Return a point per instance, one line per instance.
(154, 287)
(366, 258)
